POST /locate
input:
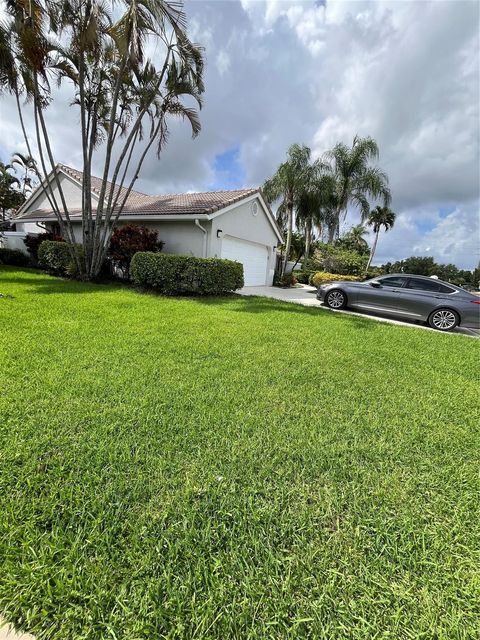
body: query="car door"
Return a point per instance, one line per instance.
(420, 296)
(381, 294)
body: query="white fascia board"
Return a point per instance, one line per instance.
(254, 196)
(139, 218)
(169, 218)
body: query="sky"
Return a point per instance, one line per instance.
(319, 72)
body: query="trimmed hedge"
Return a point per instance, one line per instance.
(56, 257)
(13, 257)
(172, 274)
(322, 277)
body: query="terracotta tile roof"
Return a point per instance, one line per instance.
(142, 204)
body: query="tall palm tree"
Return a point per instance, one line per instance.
(378, 218)
(313, 204)
(356, 178)
(287, 183)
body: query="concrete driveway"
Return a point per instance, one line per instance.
(7, 633)
(306, 296)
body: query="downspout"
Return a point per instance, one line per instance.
(204, 242)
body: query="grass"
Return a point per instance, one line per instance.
(232, 469)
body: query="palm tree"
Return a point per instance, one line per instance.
(378, 218)
(10, 195)
(313, 204)
(356, 178)
(354, 240)
(287, 183)
(27, 166)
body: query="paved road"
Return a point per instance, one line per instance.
(305, 295)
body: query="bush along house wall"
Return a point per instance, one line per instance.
(55, 256)
(181, 275)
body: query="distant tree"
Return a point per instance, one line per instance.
(10, 195)
(356, 179)
(127, 240)
(378, 218)
(286, 184)
(419, 265)
(354, 240)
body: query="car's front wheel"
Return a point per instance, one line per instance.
(443, 319)
(336, 299)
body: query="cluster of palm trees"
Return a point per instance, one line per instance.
(123, 99)
(315, 195)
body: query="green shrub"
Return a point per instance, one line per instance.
(303, 277)
(14, 257)
(172, 274)
(321, 277)
(56, 257)
(337, 260)
(34, 240)
(287, 280)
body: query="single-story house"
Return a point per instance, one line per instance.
(237, 224)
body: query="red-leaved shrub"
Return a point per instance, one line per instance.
(128, 240)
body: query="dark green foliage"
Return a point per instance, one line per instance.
(13, 257)
(303, 277)
(338, 260)
(173, 275)
(33, 242)
(56, 257)
(287, 280)
(232, 469)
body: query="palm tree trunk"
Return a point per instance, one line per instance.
(288, 243)
(372, 252)
(308, 241)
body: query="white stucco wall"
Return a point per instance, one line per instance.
(182, 238)
(13, 240)
(71, 190)
(239, 222)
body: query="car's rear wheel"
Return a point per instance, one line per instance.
(443, 319)
(336, 299)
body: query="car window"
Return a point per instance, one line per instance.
(423, 285)
(392, 282)
(445, 289)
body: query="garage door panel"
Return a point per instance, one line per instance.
(253, 256)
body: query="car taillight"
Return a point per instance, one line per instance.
(475, 301)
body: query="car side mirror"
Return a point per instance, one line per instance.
(376, 284)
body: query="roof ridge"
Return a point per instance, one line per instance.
(78, 175)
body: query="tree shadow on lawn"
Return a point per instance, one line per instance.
(260, 304)
(60, 286)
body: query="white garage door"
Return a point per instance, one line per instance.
(253, 256)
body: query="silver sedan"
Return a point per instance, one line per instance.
(444, 306)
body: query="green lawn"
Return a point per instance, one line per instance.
(232, 469)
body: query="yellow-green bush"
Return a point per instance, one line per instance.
(321, 277)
